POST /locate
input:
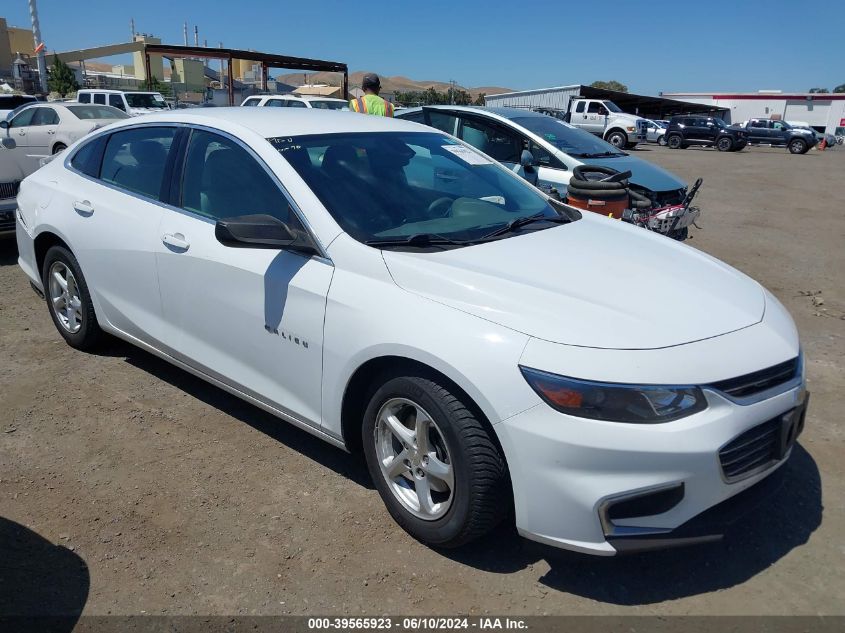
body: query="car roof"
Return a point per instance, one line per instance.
(272, 122)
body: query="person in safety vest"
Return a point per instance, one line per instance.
(371, 103)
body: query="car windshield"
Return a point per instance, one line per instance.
(612, 106)
(566, 138)
(329, 105)
(145, 100)
(392, 186)
(96, 112)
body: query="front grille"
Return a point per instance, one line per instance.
(9, 189)
(753, 450)
(758, 381)
(7, 221)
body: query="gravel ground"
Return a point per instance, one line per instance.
(128, 486)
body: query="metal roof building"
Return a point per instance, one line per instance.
(557, 98)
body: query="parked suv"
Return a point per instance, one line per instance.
(780, 134)
(295, 101)
(132, 103)
(709, 131)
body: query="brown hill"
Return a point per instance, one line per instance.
(388, 84)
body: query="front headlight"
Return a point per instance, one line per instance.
(630, 129)
(613, 402)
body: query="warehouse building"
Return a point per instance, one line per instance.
(824, 112)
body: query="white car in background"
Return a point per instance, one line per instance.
(655, 132)
(10, 102)
(295, 101)
(485, 346)
(43, 129)
(132, 103)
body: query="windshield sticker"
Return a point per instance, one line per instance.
(550, 137)
(158, 97)
(467, 155)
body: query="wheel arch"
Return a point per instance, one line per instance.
(56, 144)
(43, 242)
(613, 130)
(366, 377)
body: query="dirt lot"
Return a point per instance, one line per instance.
(166, 495)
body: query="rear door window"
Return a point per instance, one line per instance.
(100, 98)
(84, 98)
(45, 116)
(135, 159)
(116, 101)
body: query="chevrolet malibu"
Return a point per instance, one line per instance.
(491, 352)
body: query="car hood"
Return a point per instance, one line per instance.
(593, 283)
(644, 173)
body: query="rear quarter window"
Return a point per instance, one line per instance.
(88, 157)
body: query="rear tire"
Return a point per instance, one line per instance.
(797, 146)
(450, 484)
(68, 299)
(675, 141)
(59, 147)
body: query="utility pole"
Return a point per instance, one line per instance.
(39, 47)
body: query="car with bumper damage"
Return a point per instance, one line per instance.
(556, 147)
(484, 346)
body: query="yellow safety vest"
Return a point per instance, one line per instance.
(371, 104)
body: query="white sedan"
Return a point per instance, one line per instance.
(43, 129)
(484, 346)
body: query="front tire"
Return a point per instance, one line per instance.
(434, 464)
(68, 299)
(617, 138)
(724, 144)
(674, 141)
(661, 140)
(798, 146)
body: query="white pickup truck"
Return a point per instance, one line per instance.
(606, 119)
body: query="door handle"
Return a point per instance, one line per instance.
(83, 207)
(176, 240)
(51, 131)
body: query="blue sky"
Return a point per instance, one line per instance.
(650, 46)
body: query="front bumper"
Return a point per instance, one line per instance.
(566, 471)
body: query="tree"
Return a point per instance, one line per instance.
(154, 85)
(839, 89)
(819, 90)
(610, 85)
(480, 100)
(61, 78)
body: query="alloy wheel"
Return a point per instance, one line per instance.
(64, 297)
(414, 458)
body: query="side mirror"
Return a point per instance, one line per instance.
(4, 125)
(526, 159)
(260, 231)
(8, 142)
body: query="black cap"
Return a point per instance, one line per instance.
(370, 81)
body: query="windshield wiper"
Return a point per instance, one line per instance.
(517, 223)
(600, 154)
(418, 240)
